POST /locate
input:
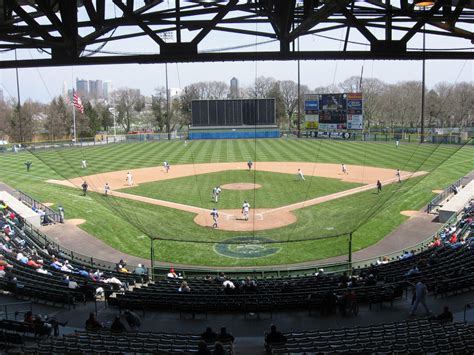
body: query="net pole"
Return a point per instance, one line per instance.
(350, 253)
(152, 258)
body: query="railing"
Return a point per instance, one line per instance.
(466, 307)
(447, 192)
(4, 309)
(30, 201)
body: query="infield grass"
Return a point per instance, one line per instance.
(124, 224)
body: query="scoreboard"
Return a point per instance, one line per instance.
(334, 111)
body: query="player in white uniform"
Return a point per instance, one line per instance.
(344, 169)
(215, 216)
(300, 175)
(166, 166)
(246, 210)
(397, 143)
(129, 179)
(398, 175)
(106, 189)
(84, 164)
(218, 190)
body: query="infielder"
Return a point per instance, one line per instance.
(398, 175)
(106, 189)
(379, 186)
(129, 179)
(217, 191)
(249, 164)
(300, 175)
(397, 143)
(166, 166)
(215, 216)
(344, 169)
(84, 164)
(246, 210)
(84, 188)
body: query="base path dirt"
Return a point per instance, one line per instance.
(231, 219)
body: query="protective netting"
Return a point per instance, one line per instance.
(177, 205)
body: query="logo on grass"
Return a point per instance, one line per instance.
(246, 247)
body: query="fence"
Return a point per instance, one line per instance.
(447, 192)
(30, 201)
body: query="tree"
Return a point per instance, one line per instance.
(59, 120)
(371, 89)
(158, 107)
(262, 87)
(22, 123)
(127, 103)
(289, 97)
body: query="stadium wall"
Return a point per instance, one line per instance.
(234, 134)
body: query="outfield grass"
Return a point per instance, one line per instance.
(277, 189)
(124, 224)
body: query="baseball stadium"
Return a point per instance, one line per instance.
(320, 229)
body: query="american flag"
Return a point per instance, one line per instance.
(77, 102)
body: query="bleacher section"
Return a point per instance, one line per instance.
(414, 337)
(132, 342)
(456, 203)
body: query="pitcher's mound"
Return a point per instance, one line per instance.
(241, 186)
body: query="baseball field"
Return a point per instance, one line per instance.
(290, 220)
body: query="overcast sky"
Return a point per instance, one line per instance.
(45, 83)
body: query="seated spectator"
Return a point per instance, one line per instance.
(413, 271)
(28, 318)
(202, 348)
(140, 270)
(453, 239)
(184, 287)
(219, 349)
(43, 271)
(122, 269)
(446, 316)
(173, 275)
(382, 260)
(117, 326)
(436, 242)
(21, 258)
(274, 337)
(209, 336)
(228, 287)
(33, 264)
(3, 266)
(56, 264)
(92, 324)
(406, 254)
(221, 278)
(72, 284)
(225, 337)
(83, 272)
(320, 274)
(209, 279)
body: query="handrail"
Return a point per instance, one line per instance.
(5, 306)
(447, 192)
(28, 200)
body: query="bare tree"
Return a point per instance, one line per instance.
(127, 103)
(23, 122)
(59, 121)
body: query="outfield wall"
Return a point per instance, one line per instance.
(236, 133)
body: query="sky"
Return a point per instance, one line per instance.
(42, 84)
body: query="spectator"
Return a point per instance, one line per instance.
(72, 284)
(219, 349)
(436, 242)
(420, 297)
(274, 337)
(209, 336)
(208, 279)
(140, 270)
(382, 260)
(406, 254)
(413, 271)
(184, 287)
(92, 323)
(320, 274)
(117, 326)
(121, 268)
(221, 278)
(173, 275)
(446, 316)
(202, 348)
(453, 239)
(249, 285)
(225, 337)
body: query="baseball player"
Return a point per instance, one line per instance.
(84, 188)
(166, 166)
(185, 143)
(300, 175)
(249, 164)
(28, 165)
(129, 179)
(215, 216)
(397, 143)
(246, 210)
(106, 189)
(397, 174)
(379, 186)
(218, 190)
(83, 164)
(344, 169)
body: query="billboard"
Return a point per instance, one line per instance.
(334, 111)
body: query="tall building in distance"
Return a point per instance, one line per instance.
(95, 89)
(234, 88)
(107, 90)
(82, 87)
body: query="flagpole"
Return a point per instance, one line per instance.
(74, 118)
